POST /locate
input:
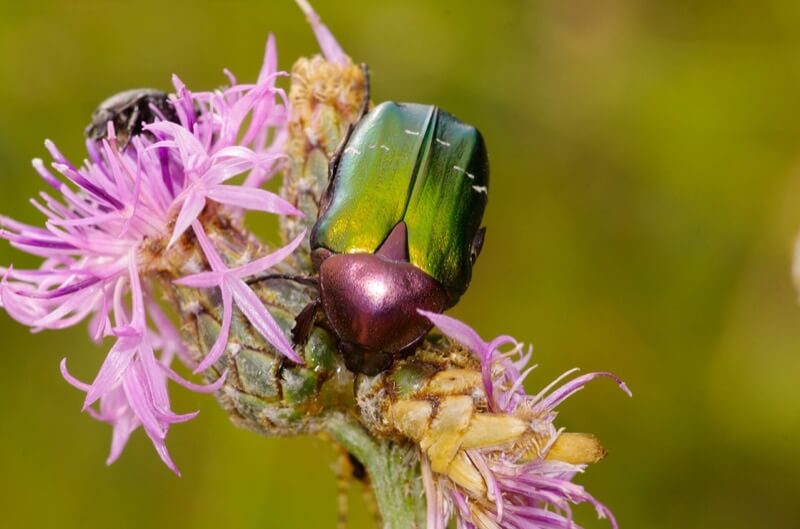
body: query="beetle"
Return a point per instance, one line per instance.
(398, 229)
(129, 111)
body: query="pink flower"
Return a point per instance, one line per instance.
(102, 214)
(521, 492)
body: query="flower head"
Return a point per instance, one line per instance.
(111, 223)
(522, 480)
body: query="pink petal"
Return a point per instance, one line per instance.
(459, 332)
(500, 341)
(22, 309)
(222, 338)
(71, 379)
(234, 153)
(192, 152)
(141, 403)
(270, 60)
(111, 372)
(262, 173)
(161, 449)
(434, 494)
(191, 208)
(253, 308)
(576, 384)
(214, 259)
(227, 169)
(198, 388)
(270, 260)
(152, 375)
(183, 103)
(254, 199)
(200, 280)
(174, 418)
(123, 427)
(46, 175)
(327, 43)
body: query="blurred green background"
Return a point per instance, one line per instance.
(645, 197)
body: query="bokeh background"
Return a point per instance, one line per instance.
(645, 196)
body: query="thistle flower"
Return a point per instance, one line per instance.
(160, 213)
(110, 238)
(516, 476)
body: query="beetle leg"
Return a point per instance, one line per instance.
(130, 129)
(333, 164)
(134, 122)
(304, 322)
(311, 281)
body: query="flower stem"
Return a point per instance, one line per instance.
(393, 470)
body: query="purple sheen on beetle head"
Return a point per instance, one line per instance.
(523, 494)
(372, 303)
(107, 208)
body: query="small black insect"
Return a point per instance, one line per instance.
(129, 111)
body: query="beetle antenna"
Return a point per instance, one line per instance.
(311, 281)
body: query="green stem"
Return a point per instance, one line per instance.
(393, 470)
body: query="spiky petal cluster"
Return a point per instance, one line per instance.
(523, 490)
(110, 225)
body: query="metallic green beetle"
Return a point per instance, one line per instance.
(399, 229)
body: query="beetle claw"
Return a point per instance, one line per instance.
(304, 322)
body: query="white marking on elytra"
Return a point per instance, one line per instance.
(412, 132)
(385, 148)
(462, 170)
(352, 150)
(481, 189)
(372, 146)
(442, 142)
